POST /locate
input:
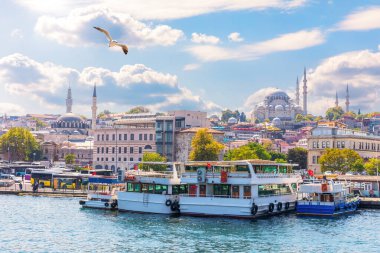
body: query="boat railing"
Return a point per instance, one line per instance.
(315, 203)
(212, 196)
(277, 175)
(217, 175)
(155, 174)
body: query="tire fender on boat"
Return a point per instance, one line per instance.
(106, 204)
(279, 206)
(271, 207)
(168, 202)
(287, 205)
(174, 206)
(254, 209)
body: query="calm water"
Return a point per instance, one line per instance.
(41, 224)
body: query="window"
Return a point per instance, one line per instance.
(107, 137)
(323, 144)
(159, 126)
(113, 150)
(140, 150)
(106, 150)
(113, 137)
(314, 159)
(202, 190)
(113, 159)
(145, 137)
(98, 150)
(106, 159)
(119, 150)
(140, 159)
(97, 159)
(169, 137)
(119, 137)
(151, 137)
(102, 159)
(327, 144)
(180, 189)
(274, 190)
(140, 137)
(338, 144)
(160, 189)
(131, 150)
(247, 191)
(169, 126)
(98, 137)
(235, 191)
(125, 137)
(102, 137)
(222, 190)
(125, 150)
(343, 144)
(314, 144)
(125, 159)
(132, 137)
(119, 159)
(131, 159)
(159, 137)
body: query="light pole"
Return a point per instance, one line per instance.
(34, 157)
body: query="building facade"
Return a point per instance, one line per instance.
(366, 145)
(125, 142)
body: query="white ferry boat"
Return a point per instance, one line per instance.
(100, 201)
(152, 188)
(242, 189)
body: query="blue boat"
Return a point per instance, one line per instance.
(325, 198)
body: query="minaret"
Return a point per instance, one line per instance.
(69, 101)
(304, 92)
(298, 92)
(93, 108)
(347, 100)
(336, 100)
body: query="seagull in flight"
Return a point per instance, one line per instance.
(112, 42)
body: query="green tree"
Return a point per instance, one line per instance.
(39, 123)
(19, 143)
(252, 150)
(298, 155)
(334, 113)
(342, 160)
(372, 166)
(228, 114)
(153, 157)
(204, 147)
(70, 158)
(138, 109)
(299, 118)
(243, 117)
(277, 156)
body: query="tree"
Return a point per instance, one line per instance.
(39, 123)
(299, 118)
(299, 156)
(153, 157)
(243, 117)
(70, 158)
(19, 143)
(342, 160)
(334, 113)
(228, 114)
(372, 166)
(138, 109)
(204, 147)
(274, 156)
(252, 150)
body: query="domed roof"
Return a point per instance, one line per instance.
(278, 93)
(279, 108)
(70, 117)
(232, 120)
(276, 122)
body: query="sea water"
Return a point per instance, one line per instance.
(42, 224)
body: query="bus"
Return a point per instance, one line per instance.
(43, 178)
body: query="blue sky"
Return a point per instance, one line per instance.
(197, 55)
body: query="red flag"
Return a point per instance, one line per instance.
(310, 172)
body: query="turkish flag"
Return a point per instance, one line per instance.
(310, 172)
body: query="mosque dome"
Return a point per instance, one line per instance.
(276, 122)
(70, 117)
(279, 108)
(277, 95)
(232, 120)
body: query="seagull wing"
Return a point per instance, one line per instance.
(104, 31)
(124, 47)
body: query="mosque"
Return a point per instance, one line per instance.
(73, 124)
(279, 108)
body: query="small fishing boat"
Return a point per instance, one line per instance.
(325, 198)
(100, 201)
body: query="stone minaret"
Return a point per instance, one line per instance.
(336, 100)
(347, 100)
(298, 92)
(93, 108)
(69, 101)
(304, 93)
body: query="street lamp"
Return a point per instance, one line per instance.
(34, 157)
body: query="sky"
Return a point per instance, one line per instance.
(206, 55)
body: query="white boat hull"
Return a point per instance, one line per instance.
(234, 207)
(144, 202)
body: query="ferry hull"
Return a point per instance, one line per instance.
(229, 207)
(144, 203)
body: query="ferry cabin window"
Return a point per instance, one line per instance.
(160, 189)
(247, 192)
(265, 169)
(273, 190)
(180, 189)
(235, 191)
(147, 188)
(202, 190)
(222, 190)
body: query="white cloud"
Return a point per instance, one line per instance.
(17, 34)
(203, 38)
(358, 69)
(161, 10)
(44, 85)
(76, 29)
(11, 109)
(360, 20)
(286, 42)
(190, 67)
(235, 37)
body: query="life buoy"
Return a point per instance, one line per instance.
(287, 204)
(271, 207)
(106, 204)
(254, 209)
(279, 206)
(168, 202)
(113, 205)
